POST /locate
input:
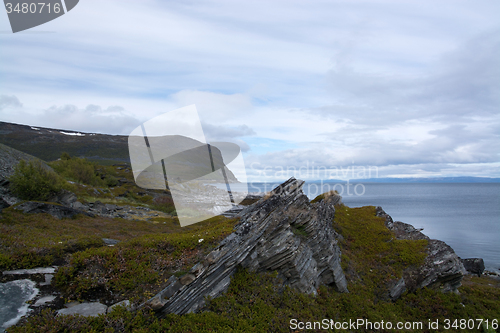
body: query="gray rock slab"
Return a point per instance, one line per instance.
(78, 205)
(40, 270)
(85, 309)
(57, 211)
(48, 280)
(110, 207)
(110, 242)
(44, 300)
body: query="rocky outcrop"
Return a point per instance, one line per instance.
(64, 197)
(282, 232)
(474, 265)
(56, 211)
(236, 209)
(442, 268)
(117, 211)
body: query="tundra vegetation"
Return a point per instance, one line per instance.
(35, 181)
(151, 251)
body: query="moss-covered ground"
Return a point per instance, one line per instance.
(150, 253)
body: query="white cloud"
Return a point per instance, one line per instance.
(92, 118)
(214, 107)
(384, 82)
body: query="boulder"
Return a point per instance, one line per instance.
(43, 301)
(442, 268)
(110, 241)
(48, 280)
(406, 231)
(56, 211)
(85, 309)
(64, 197)
(38, 270)
(474, 265)
(78, 205)
(110, 207)
(281, 232)
(3, 204)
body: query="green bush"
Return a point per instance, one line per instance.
(65, 156)
(79, 170)
(111, 181)
(34, 181)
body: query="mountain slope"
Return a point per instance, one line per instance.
(48, 144)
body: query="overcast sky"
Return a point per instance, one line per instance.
(411, 88)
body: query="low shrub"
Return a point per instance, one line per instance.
(111, 181)
(257, 302)
(35, 181)
(254, 302)
(78, 170)
(32, 240)
(118, 270)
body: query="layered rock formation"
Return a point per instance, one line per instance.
(442, 267)
(286, 233)
(282, 232)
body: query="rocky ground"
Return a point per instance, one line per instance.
(282, 232)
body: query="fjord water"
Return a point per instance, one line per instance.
(464, 215)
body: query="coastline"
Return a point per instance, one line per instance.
(58, 302)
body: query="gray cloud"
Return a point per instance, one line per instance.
(459, 95)
(446, 149)
(92, 118)
(395, 63)
(226, 133)
(9, 101)
(462, 84)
